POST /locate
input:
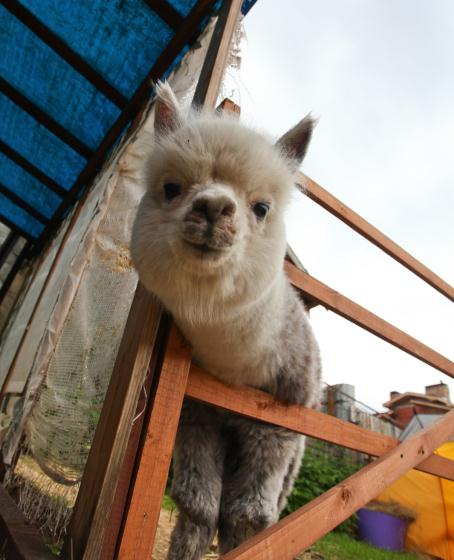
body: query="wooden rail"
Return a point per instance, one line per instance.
(325, 199)
(367, 320)
(253, 403)
(286, 538)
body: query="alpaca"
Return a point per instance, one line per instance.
(209, 241)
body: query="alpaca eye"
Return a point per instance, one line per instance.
(171, 190)
(260, 209)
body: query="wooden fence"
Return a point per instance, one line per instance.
(118, 505)
(174, 377)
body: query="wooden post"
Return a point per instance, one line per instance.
(97, 491)
(213, 69)
(141, 520)
(93, 519)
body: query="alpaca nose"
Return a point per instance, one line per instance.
(212, 208)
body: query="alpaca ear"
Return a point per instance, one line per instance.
(167, 109)
(294, 143)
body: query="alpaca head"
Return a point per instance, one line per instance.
(210, 229)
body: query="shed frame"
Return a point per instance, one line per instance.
(118, 504)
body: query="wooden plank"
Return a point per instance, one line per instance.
(142, 517)
(166, 12)
(94, 500)
(362, 317)
(19, 540)
(114, 517)
(322, 197)
(303, 527)
(213, 69)
(256, 404)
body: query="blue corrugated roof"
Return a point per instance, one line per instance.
(81, 68)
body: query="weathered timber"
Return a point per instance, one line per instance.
(350, 310)
(213, 68)
(325, 199)
(253, 403)
(19, 540)
(137, 539)
(87, 527)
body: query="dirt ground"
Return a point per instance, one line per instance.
(167, 521)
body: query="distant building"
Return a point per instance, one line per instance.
(339, 400)
(404, 406)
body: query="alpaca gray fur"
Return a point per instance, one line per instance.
(218, 267)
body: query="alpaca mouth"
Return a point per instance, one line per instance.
(204, 250)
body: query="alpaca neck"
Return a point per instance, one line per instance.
(239, 346)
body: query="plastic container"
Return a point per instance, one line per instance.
(382, 530)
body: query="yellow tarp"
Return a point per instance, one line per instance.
(433, 500)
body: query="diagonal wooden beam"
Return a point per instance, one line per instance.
(210, 80)
(303, 527)
(86, 531)
(166, 12)
(19, 540)
(350, 310)
(259, 405)
(325, 199)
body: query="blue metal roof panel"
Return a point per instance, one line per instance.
(121, 39)
(32, 191)
(42, 76)
(39, 146)
(20, 217)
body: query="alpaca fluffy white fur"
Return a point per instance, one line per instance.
(209, 241)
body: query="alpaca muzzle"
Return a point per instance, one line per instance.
(209, 223)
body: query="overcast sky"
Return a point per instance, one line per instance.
(379, 74)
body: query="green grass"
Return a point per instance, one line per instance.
(340, 547)
(168, 504)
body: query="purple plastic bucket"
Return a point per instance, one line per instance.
(382, 530)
